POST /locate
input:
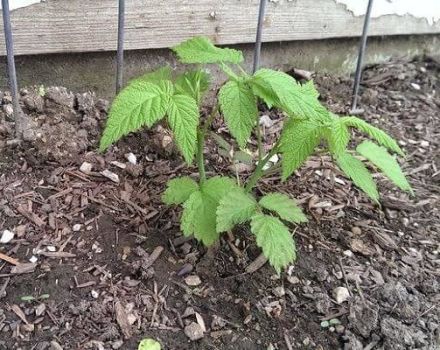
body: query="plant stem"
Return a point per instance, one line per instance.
(259, 172)
(200, 157)
(259, 142)
(201, 135)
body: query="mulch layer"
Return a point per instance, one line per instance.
(96, 261)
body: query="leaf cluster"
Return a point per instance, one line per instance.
(215, 205)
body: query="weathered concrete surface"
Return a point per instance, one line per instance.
(96, 71)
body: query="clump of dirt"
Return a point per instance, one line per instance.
(65, 124)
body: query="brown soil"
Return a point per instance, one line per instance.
(111, 262)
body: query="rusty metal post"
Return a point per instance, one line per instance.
(257, 51)
(120, 53)
(12, 74)
(362, 47)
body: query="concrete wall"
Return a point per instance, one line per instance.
(96, 71)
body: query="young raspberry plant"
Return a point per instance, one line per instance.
(215, 205)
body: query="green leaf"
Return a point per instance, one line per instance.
(199, 211)
(274, 239)
(139, 104)
(298, 140)
(149, 344)
(357, 172)
(285, 207)
(201, 50)
(218, 186)
(178, 190)
(193, 83)
(338, 136)
(239, 107)
(310, 89)
(183, 118)
(379, 135)
(235, 208)
(243, 157)
(163, 73)
(385, 162)
(281, 90)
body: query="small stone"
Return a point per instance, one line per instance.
(341, 294)
(293, 279)
(348, 253)
(131, 158)
(424, 144)
(33, 259)
(86, 167)
(415, 86)
(279, 291)
(266, 121)
(76, 227)
(8, 109)
(193, 331)
(39, 310)
(193, 280)
(356, 230)
(117, 344)
(110, 175)
(51, 248)
(94, 294)
(306, 341)
(7, 236)
(274, 159)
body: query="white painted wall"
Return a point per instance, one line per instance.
(426, 9)
(15, 4)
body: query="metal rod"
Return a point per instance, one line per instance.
(12, 75)
(257, 51)
(120, 53)
(362, 47)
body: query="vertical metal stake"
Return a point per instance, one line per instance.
(257, 50)
(120, 54)
(12, 75)
(362, 46)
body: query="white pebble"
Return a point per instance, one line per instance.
(76, 227)
(86, 168)
(193, 280)
(341, 294)
(131, 158)
(51, 248)
(7, 236)
(94, 294)
(348, 253)
(274, 159)
(415, 86)
(33, 259)
(424, 144)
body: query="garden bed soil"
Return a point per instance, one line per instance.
(110, 266)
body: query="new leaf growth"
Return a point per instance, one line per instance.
(216, 205)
